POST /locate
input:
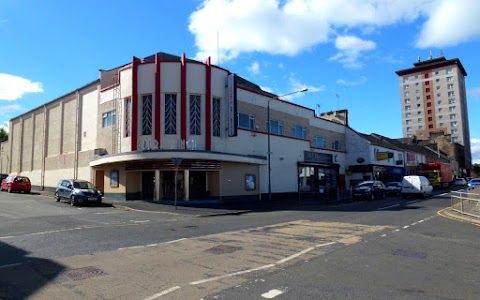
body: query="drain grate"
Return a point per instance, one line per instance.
(84, 273)
(409, 253)
(221, 249)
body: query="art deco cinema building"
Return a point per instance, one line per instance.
(130, 130)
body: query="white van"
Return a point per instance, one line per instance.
(413, 185)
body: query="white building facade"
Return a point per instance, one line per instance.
(167, 125)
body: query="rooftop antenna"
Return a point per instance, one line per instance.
(419, 58)
(430, 56)
(338, 96)
(318, 107)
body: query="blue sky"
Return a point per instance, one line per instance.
(343, 47)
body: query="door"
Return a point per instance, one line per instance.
(99, 180)
(148, 185)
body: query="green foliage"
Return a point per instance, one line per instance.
(476, 168)
(3, 135)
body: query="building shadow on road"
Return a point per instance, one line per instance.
(22, 276)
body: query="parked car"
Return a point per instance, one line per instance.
(459, 182)
(371, 189)
(474, 183)
(15, 183)
(394, 188)
(77, 192)
(413, 185)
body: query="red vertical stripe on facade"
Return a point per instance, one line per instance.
(135, 62)
(183, 99)
(208, 105)
(158, 107)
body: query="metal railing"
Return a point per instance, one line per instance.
(466, 201)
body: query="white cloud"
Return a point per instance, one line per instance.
(474, 92)
(4, 110)
(350, 49)
(360, 81)
(475, 148)
(450, 23)
(254, 68)
(13, 87)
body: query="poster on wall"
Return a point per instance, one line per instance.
(250, 182)
(232, 104)
(114, 178)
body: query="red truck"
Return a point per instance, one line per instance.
(439, 174)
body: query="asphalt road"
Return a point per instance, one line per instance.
(388, 249)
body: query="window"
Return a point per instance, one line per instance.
(453, 124)
(427, 83)
(438, 95)
(430, 126)
(427, 90)
(427, 75)
(429, 112)
(299, 131)
(320, 142)
(454, 139)
(430, 119)
(440, 117)
(418, 98)
(108, 119)
(405, 79)
(439, 102)
(416, 84)
(436, 72)
(408, 122)
(451, 94)
(128, 117)
(276, 127)
(441, 124)
(449, 71)
(408, 115)
(246, 121)
(336, 145)
(419, 105)
(429, 104)
(417, 91)
(195, 114)
(428, 97)
(406, 87)
(420, 127)
(409, 129)
(147, 114)
(408, 107)
(416, 76)
(451, 101)
(419, 113)
(451, 108)
(450, 86)
(420, 120)
(449, 78)
(421, 134)
(407, 100)
(440, 109)
(216, 116)
(438, 87)
(170, 113)
(454, 131)
(437, 80)
(406, 94)
(453, 116)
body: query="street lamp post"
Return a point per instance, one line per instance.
(268, 140)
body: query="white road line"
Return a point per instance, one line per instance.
(232, 274)
(414, 223)
(405, 227)
(420, 221)
(174, 241)
(272, 294)
(163, 293)
(262, 267)
(383, 235)
(388, 206)
(396, 230)
(142, 221)
(64, 230)
(10, 265)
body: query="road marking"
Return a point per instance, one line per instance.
(420, 221)
(142, 221)
(150, 245)
(405, 227)
(388, 207)
(262, 267)
(163, 293)
(396, 230)
(383, 235)
(106, 213)
(414, 223)
(174, 241)
(272, 294)
(10, 265)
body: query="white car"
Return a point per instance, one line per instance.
(414, 185)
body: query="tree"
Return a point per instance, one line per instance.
(476, 168)
(3, 135)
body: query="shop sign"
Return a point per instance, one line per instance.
(384, 155)
(316, 157)
(411, 160)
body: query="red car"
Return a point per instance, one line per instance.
(14, 183)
